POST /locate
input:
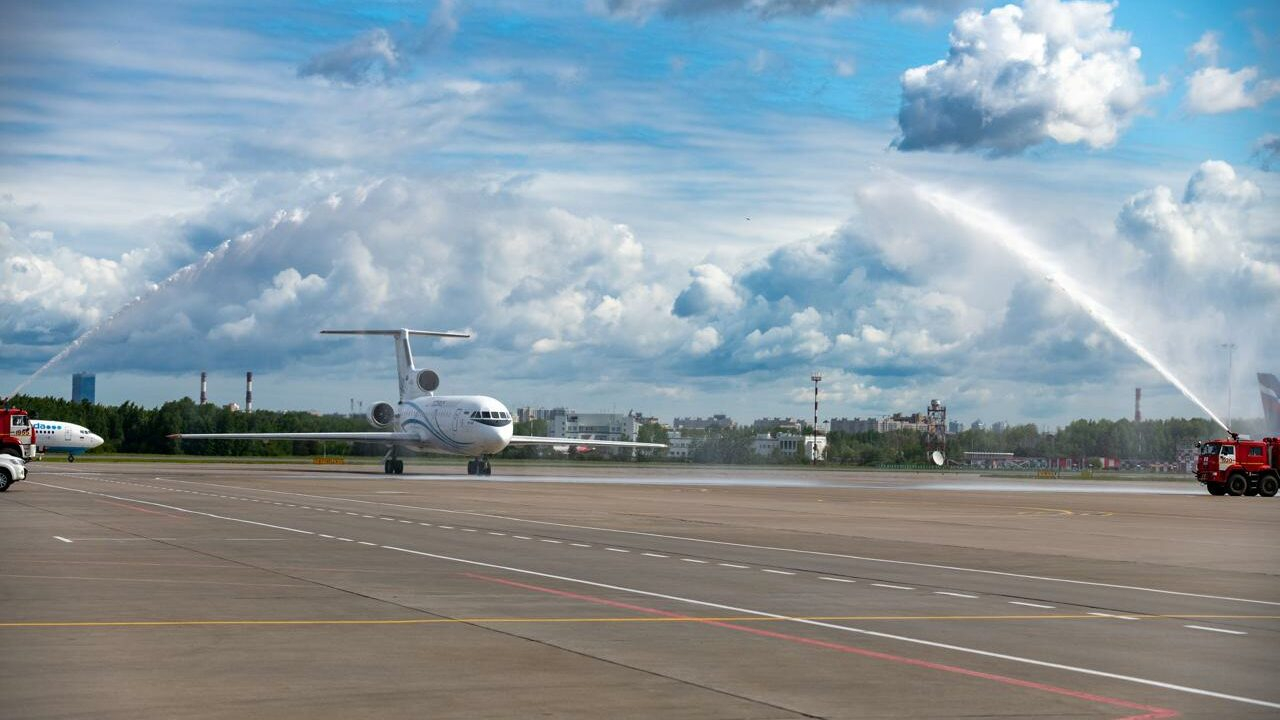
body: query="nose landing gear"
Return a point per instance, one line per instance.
(479, 466)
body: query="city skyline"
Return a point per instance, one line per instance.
(653, 204)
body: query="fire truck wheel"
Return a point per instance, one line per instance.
(1268, 485)
(1216, 489)
(1237, 484)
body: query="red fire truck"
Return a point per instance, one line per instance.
(1240, 467)
(16, 436)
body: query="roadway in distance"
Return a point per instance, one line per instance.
(221, 591)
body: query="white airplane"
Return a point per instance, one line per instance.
(53, 436)
(475, 426)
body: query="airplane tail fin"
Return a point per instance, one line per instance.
(413, 382)
(1269, 386)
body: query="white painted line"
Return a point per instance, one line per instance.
(657, 555)
(935, 566)
(617, 550)
(892, 587)
(326, 536)
(579, 544)
(731, 565)
(776, 572)
(553, 542)
(854, 630)
(425, 524)
(346, 539)
(518, 537)
(955, 594)
(473, 530)
(843, 580)
(175, 508)
(363, 542)
(367, 516)
(59, 537)
(352, 514)
(446, 527)
(1217, 630)
(410, 522)
(1034, 605)
(498, 534)
(1109, 615)
(700, 562)
(387, 519)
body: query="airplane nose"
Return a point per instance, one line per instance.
(95, 440)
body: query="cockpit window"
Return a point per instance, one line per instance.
(1209, 449)
(492, 418)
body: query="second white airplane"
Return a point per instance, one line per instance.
(474, 426)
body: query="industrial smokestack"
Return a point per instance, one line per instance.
(204, 387)
(248, 391)
(1137, 405)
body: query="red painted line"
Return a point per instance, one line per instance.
(135, 507)
(1150, 712)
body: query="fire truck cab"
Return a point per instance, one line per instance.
(1240, 467)
(16, 435)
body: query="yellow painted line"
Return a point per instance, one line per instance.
(690, 619)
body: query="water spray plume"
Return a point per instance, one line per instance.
(182, 273)
(987, 224)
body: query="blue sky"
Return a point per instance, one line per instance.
(668, 205)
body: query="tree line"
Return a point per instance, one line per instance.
(130, 428)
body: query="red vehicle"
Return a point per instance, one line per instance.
(16, 437)
(1240, 467)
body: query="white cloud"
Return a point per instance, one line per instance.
(1206, 47)
(1019, 76)
(1214, 90)
(710, 292)
(704, 340)
(369, 57)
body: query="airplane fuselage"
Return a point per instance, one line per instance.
(470, 425)
(54, 436)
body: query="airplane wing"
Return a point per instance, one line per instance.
(535, 440)
(369, 437)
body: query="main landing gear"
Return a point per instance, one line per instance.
(479, 466)
(392, 465)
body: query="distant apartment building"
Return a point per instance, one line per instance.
(565, 423)
(788, 444)
(715, 422)
(764, 425)
(678, 446)
(84, 387)
(897, 421)
(856, 425)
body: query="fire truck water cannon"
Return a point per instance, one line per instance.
(1239, 467)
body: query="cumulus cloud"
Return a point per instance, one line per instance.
(1209, 226)
(1214, 90)
(393, 252)
(1019, 76)
(710, 292)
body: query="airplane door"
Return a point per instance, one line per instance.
(458, 415)
(66, 433)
